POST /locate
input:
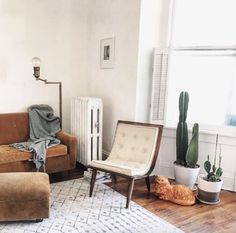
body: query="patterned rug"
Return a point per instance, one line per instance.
(73, 211)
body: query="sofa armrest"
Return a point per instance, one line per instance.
(71, 143)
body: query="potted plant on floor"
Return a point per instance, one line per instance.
(209, 186)
(186, 168)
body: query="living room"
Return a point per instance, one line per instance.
(143, 34)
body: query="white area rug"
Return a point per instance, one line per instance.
(72, 210)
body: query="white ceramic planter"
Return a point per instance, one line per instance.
(209, 192)
(185, 175)
(207, 186)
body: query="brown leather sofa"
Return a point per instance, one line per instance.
(14, 127)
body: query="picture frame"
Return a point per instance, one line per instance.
(107, 53)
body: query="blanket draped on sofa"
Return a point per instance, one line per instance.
(43, 128)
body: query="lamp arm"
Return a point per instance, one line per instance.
(60, 95)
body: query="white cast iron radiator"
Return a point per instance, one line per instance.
(86, 125)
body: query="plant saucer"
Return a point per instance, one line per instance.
(208, 203)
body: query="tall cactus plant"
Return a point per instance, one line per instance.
(182, 129)
(187, 155)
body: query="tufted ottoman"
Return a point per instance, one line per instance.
(24, 196)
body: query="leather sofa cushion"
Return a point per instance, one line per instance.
(9, 154)
(14, 127)
(24, 196)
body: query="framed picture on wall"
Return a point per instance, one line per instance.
(107, 53)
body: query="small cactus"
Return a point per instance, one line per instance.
(216, 173)
(207, 165)
(192, 152)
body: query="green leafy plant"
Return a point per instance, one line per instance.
(214, 173)
(187, 155)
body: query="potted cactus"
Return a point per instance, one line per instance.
(186, 168)
(209, 186)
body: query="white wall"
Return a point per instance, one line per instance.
(116, 87)
(154, 32)
(148, 37)
(55, 31)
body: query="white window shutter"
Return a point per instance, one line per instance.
(159, 86)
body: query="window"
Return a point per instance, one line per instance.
(202, 61)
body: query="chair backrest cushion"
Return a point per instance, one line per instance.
(134, 143)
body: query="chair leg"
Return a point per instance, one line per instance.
(130, 191)
(92, 182)
(147, 180)
(39, 220)
(114, 179)
(68, 174)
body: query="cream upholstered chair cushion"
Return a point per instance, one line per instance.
(133, 155)
(132, 152)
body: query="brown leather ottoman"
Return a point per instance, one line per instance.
(24, 196)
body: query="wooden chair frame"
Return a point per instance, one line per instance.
(131, 178)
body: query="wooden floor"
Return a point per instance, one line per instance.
(198, 218)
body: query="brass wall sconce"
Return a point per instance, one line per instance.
(36, 62)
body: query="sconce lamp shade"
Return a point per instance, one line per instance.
(36, 62)
(36, 65)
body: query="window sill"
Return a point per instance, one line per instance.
(225, 131)
(205, 135)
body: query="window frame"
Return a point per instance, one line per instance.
(224, 130)
(229, 131)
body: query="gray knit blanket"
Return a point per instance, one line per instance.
(43, 128)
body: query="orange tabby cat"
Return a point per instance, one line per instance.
(178, 194)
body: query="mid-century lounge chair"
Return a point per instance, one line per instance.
(133, 155)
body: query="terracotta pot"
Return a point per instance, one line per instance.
(208, 192)
(186, 175)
